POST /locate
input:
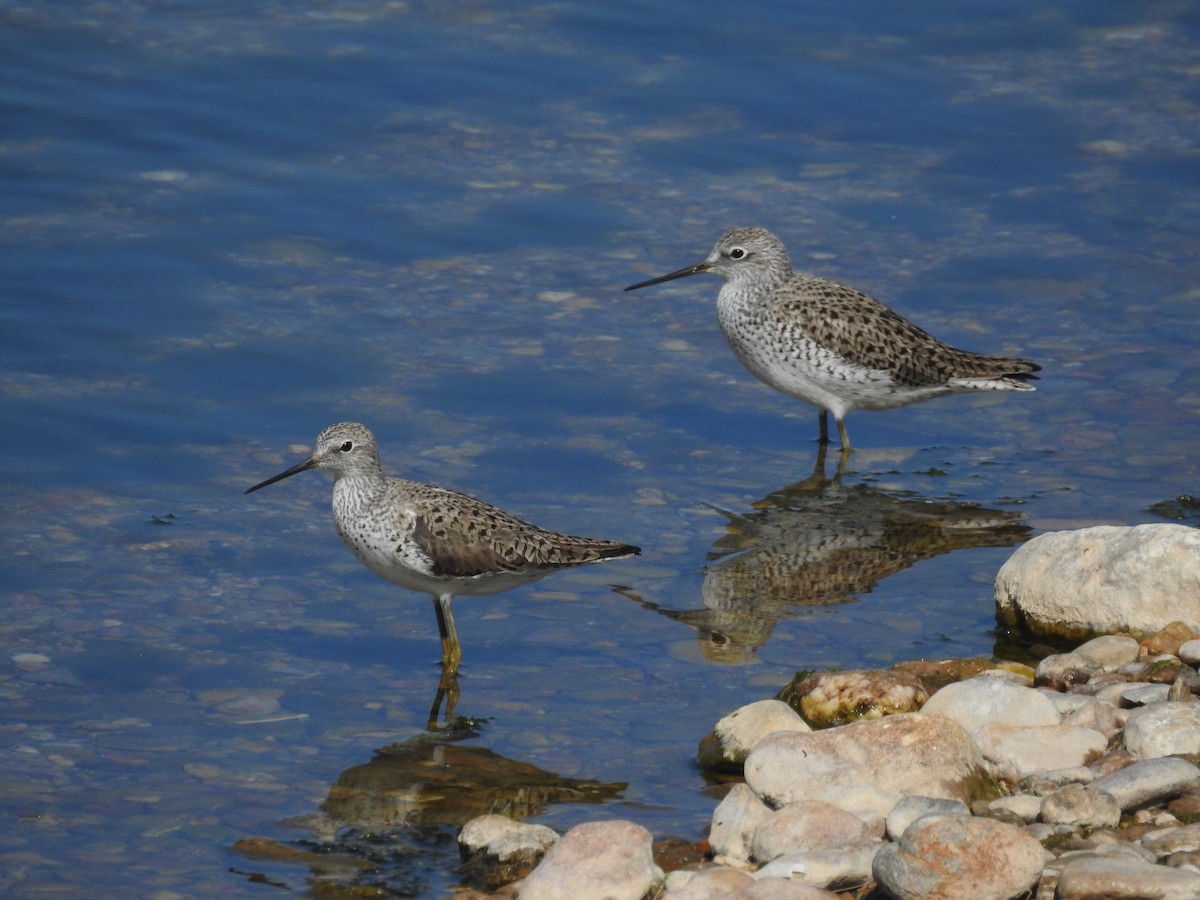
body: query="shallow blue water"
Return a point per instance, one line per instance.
(226, 227)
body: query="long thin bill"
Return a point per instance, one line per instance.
(299, 467)
(682, 273)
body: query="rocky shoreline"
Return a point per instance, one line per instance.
(968, 778)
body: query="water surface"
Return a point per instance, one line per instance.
(227, 227)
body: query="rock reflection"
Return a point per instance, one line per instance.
(820, 543)
(432, 780)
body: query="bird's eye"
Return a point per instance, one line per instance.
(347, 446)
(737, 253)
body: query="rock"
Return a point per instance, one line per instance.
(1062, 670)
(1096, 715)
(726, 748)
(500, 850)
(778, 889)
(1110, 651)
(1169, 638)
(1144, 694)
(1089, 878)
(827, 699)
(1163, 729)
(1102, 580)
(909, 753)
(1081, 805)
(805, 825)
(709, 883)
(1181, 839)
(595, 861)
(940, 858)
(1189, 652)
(985, 700)
(846, 868)
(734, 821)
(911, 808)
(1026, 807)
(1014, 752)
(1149, 781)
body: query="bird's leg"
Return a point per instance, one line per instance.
(451, 650)
(447, 692)
(843, 434)
(823, 418)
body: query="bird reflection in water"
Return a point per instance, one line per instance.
(436, 779)
(819, 543)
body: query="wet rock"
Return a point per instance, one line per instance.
(496, 850)
(986, 700)
(939, 857)
(1102, 580)
(1014, 752)
(1081, 805)
(734, 822)
(911, 808)
(1163, 729)
(828, 699)
(805, 825)
(910, 753)
(1149, 781)
(1089, 878)
(726, 747)
(1169, 638)
(595, 861)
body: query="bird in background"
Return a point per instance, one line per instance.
(831, 345)
(433, 539)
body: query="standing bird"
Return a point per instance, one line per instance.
(432, 539)
(830, 345)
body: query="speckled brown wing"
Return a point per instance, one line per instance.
(464, 537)
(865, 332)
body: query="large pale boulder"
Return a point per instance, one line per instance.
(909, 753)
(1076, 584)
(595, 861)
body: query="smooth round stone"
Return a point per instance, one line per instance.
(940, 857)
(986, 700)
(1189, 652)
(595, 861)
(1081, 805)
(1149, 781)
(1163, 729)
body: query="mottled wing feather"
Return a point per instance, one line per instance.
(464, 537)
(865, 332)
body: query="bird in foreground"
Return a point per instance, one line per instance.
(432, 539)
(831, 345)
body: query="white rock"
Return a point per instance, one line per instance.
(1105, 579)
(1110, 651)
(595, 861)
(1149, 781)
(711, 883)
(805, 825)
(1081, 805)
(1163, 729)
(1091, 877)
(501, 837)
(1026, 807)
(984, 701)
(739, 731)
(734, 821)
(1189, 652)
(909, 753)
(843, 869)
(1016, 752)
